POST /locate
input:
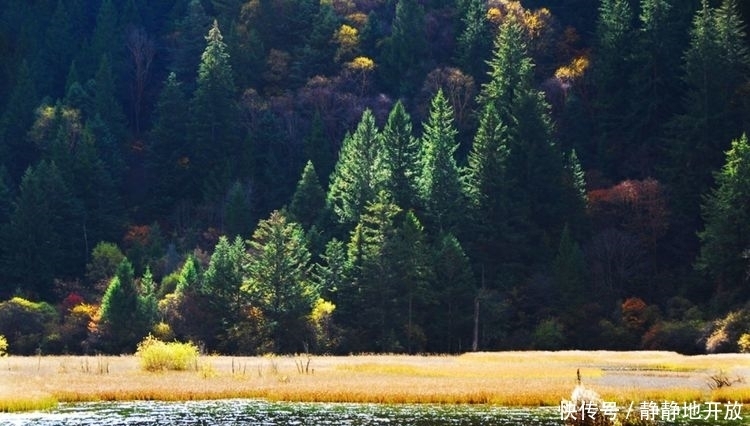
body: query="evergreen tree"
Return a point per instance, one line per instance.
(190, 42)
(316, 57)
(106, 104)
(222, 284)
(308, 200)
(121, 324)
(450, 325)
(237, 212)
(716, 65)
(318, 148)
(15, 121)
(106, 38)
(214, 129)
(612, 68)
(439, 181)
(475, 41)
(655, 84)
(168, 162)
(517, 157)
(358, 174)
(279, 281)
(400, 153)
(332, 274)
(370, 300)
(56, 53)
(405, 52)
(725, 240)
(45, 236)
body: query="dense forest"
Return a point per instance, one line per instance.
(340, 176)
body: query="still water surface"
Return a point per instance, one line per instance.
(253, 412)
(256, 412)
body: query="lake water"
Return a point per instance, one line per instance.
(255, 412)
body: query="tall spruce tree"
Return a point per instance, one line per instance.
(716, 65)
(122, 324)
(279, 280)
(400, 153)
(214, 126)
(358, 174)
(439, 181)
(309, 199)
(611, 69)
(168, 160)
(725, 240)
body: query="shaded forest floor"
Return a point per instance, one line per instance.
(503, 378)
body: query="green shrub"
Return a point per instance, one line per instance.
(727, 331)
(156, 355)
(3, 345)
(25, 324)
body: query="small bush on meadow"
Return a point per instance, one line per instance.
(3, 345)
(156, 355)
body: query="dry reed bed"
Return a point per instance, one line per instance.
(505, 378)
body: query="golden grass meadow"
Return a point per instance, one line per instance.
(503, 378)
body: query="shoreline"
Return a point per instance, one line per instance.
(494, 378)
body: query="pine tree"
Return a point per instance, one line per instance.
(655, 84)
(400, 153)
(475, 42)
(725, 240)
(358, 174)
(453, 283)
(279, 281)
(370, 301)
(405, 51)
(238, 215)
(318, 148)
(191, 30)
(15, 121)
(121, 321)
(716, 64)
(223, 277)
(45, 236)
(612, 68)
(214, 129)
(331, 275)
(439, 180)
(308, 200)
(168, 162)
(106, 104)
(106, 38)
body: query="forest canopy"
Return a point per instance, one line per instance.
(375, 175)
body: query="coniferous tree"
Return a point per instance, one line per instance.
(221, 287)
(725, 240)
(373, 318)
(168, 163)
(279, 280)
(122, 325)
(45, 236)
(214, 130)
(15, 121)
(450, 325)
(716, 64)
(611, 69)
(400, 153)
(404, 52)
(308, 200)
(106, 38)
(237, 211)
(358, 174)
(475, 42)
(439, 180)
(190, 42)
(106, 104)
(655, 85)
